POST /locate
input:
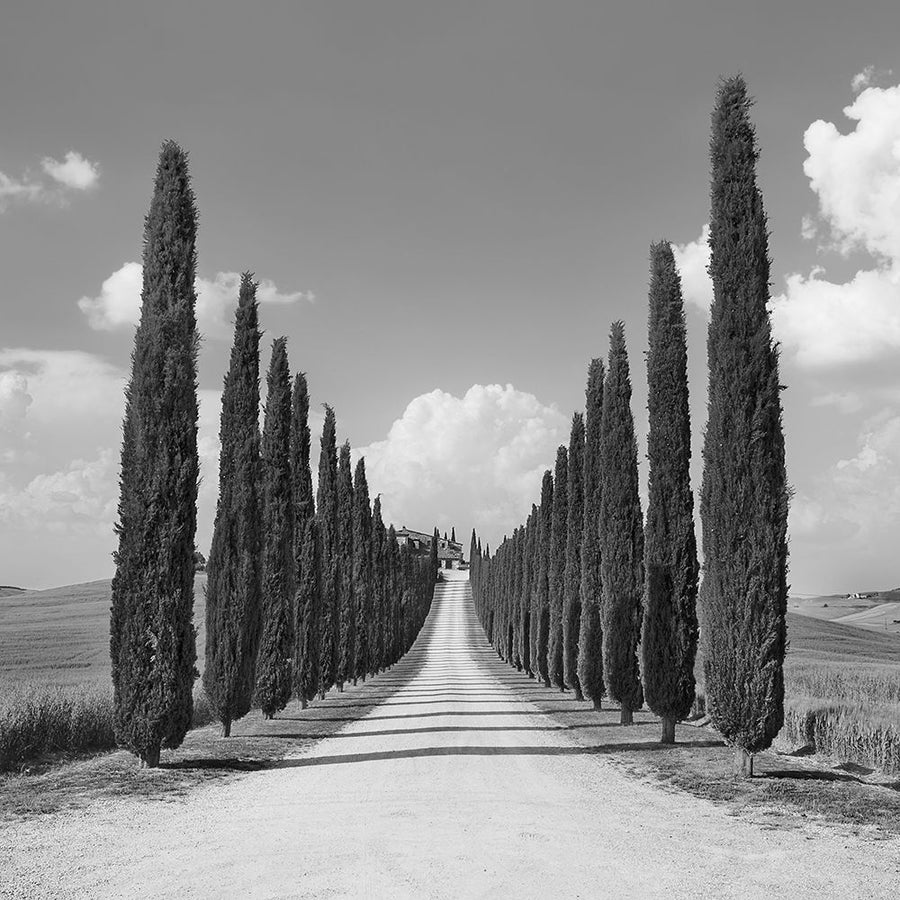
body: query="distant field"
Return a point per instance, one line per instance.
(879, 612)
(61, 636)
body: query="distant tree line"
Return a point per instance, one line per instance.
(588, 594)
(303, 592)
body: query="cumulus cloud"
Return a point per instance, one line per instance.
(827, 324)
(692, 260)
(475, 460)
(80, 497)
(856, 180)
(14, 399)
(73, 172)
(118, 304)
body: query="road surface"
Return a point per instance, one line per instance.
(453, 786)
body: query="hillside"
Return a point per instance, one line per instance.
(830, 641)
(7, 590)
(61, 635)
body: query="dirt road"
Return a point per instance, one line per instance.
(452, 786)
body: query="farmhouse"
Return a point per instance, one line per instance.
(450, 553)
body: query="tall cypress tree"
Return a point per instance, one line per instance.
(307, 634)
(541, 614)
(556, 578)
(327, 513)
(435, 560)
(273, 666)
(574, 531)
(362, 571)
(669, 636)
(346, 605)
(621, 534)
(590, 639)
(304, 510)
(744, 503)
(528, 555)
(392, 593)
(234, 570)
(152, 647)
(304, 500)
(379, 601)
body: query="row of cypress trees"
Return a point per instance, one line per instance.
(606, 601)
(303, 592)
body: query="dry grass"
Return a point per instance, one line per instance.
(41, 724)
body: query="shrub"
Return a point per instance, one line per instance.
(37, 720)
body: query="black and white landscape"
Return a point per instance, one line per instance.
(449, 450)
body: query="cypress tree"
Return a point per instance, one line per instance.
(273, 666)
(556, 577)
(307, 634)
(621, 534)
(379, 601)
(574, 530)
(362, 571)
(327, 512)
(541, 614)
(590, 639)
(453, 535)
(525, 602)
(304, 501)
(473, 560)
(234, 570)
(152, 647)
(435, 561)
(393, 593)
(346, 606)
(304, 510)
(744, 502)
(669, 635)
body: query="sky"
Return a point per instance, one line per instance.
(446, 205)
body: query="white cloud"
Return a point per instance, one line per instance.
(81, 497)
(14, 399)
(65, 386)
(692, 260)
(868, 77)
(73, 172)
(118, 304)
(475, 460)
(856, 176)
(826, 324)
(17, 189)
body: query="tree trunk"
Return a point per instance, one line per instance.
(150, 758)
(627, 716)
(226, 728)
(546, 681)
(578, 694)
(598, 703)
(668, 730)
(743, 763)
(303, 703)
(340, 687)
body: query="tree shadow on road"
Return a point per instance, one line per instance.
(304, 762)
